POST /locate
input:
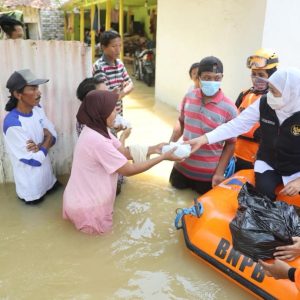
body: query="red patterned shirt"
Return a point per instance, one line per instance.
(199, 118)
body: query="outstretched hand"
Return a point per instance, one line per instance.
(156, 149)
(197, 143)
(279, 269)
(169, 155)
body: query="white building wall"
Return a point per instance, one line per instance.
(189, 30)
(281, 31)
(65, 64)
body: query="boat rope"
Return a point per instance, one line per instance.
(196, 210)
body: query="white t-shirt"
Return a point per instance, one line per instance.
(32, 171)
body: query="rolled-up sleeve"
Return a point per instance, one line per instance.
(237, 126)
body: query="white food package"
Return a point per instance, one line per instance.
(121, 121)
(182, 151)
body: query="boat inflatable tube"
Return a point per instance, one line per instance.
(207, 235)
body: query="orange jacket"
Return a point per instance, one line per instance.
(247, 144)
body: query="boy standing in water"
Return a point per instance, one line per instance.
(110, 69)
(202, 110)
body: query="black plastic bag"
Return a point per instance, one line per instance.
(261, 225)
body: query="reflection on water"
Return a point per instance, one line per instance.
(160, 285)
(44, 257)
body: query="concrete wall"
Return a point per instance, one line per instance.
(189, 31)
(52, 24)
(65, 64)
(281, 31)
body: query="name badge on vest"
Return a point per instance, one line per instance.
(267, 121)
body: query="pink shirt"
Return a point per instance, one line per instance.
(91, 190)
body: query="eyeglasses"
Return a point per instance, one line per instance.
(260, 62)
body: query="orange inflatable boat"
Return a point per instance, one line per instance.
(209, 238)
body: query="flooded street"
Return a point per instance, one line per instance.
(43, 257)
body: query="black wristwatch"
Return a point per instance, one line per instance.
(291, 274)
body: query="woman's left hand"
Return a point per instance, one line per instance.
(198, 142)
(292, 188)
(126, 133)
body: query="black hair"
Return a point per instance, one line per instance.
(13, 101)
(8, 24)
(194, 66)
(107, 36)
(271, 71)
(210, 64)
(87, 85)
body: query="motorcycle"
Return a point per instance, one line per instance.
(144, 66)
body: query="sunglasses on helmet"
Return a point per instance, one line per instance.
(260, 62)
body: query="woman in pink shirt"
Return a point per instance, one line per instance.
(89, 196)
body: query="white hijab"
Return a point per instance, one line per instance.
(288, 83)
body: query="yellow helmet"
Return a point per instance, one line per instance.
(263, 59)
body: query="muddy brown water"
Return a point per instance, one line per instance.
(144, 257)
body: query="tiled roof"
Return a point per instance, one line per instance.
(43, 4)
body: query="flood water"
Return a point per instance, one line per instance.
(42, 256)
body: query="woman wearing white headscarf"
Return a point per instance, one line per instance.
(278, 157)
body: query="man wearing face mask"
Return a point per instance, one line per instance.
(202, 110)
(263, 64)
(278, 157)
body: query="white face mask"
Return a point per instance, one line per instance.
(274, 102)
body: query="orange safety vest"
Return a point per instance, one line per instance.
(246, 145)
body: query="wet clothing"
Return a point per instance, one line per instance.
(179, 181)
(247, 143)
(198, 118)
(89, 196)
(113, 75)
(33, 172)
